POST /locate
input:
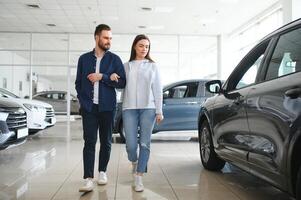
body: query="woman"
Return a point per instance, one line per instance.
(142, 106)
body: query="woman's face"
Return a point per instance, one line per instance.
(141, 48)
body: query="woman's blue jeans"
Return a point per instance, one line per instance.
(145, 120)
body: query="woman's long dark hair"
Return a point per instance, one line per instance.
(133, 51)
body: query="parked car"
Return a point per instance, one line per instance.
(13, 126)
(40, 115)
(181, 105)
(58, 99)
(254, 121)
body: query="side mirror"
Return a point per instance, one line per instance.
(214, 86)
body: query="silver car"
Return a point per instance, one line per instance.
(58, 99)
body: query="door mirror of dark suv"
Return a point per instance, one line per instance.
(214, 86)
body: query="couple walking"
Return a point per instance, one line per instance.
(99, 72)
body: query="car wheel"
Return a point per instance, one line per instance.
(122, 133)
(298, 185)
(209, 158)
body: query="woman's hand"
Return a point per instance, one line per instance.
(114, 77)
(159, 118)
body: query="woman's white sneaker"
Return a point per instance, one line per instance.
(89, 185)
(102, 178)
(138, 184)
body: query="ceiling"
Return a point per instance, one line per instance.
(184, 17)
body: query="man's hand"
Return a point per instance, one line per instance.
(114, 77)
(94, 77)
(159, 118)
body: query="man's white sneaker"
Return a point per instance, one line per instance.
(134, 167)
(102, 178)
(88, 186)
(138, 184)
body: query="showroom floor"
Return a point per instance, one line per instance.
(49, 166)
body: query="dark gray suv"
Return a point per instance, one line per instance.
(181, 105)
(13, 124)
(254, 121)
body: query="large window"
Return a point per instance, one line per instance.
(45, 58)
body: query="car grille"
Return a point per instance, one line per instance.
(49, 114)
(16, 119)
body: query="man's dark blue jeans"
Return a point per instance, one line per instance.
(96, 122)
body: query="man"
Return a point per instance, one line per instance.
(99, 72)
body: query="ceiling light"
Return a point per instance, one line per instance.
(146, 8)
(51, 25)
(33, 5)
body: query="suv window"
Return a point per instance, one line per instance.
(286, 56)
(250, 76)
(182, 91)
(245, 74)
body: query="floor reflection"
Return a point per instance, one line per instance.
(49, 166)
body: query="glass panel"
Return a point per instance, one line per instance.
(161, 43)
(196, 44)
(50, 41)
(122, 43)
(74, 56)
(49, 78)
(15, 79)
(6, 57)
(21, 57)
(15, 41)
(50, 58)
(82, 42)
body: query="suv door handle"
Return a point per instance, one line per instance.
(293, 93)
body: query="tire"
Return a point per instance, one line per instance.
(209, 158)
(298, 185)
(121, 133)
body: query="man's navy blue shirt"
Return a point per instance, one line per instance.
(110, 63)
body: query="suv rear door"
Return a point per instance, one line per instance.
(181, 106)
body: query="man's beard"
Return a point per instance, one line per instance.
(103, 46)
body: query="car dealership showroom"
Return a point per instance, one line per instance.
(149, 99)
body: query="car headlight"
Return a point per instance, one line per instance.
(31, 106)
(3, 116)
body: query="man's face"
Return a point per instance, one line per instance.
(103, 40)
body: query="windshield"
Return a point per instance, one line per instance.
(7, 93)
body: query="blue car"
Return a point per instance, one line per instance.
(181, 105)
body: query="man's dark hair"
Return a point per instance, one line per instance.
(100, 28)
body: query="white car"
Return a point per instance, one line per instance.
(40, 115)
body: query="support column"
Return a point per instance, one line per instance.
(219, 57)
(291, 10)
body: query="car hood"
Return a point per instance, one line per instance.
(6, 103)
(28, 101)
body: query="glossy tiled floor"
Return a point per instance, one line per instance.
(49, 166)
